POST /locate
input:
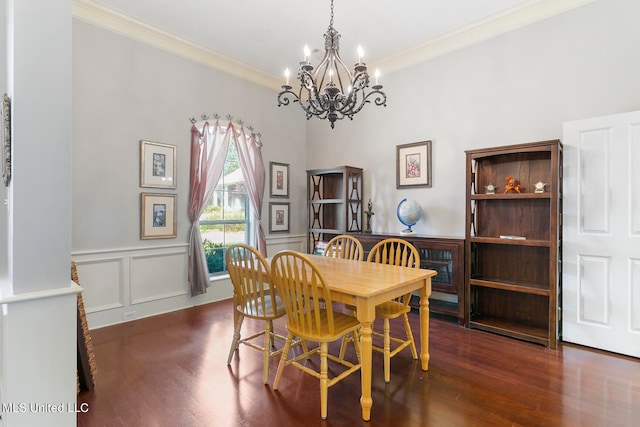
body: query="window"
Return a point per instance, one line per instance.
(225, 221)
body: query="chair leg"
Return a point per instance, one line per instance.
(266, 352)
(387, 351)
(272, 339)
(324, 378)
(412, 342)
(238, 318)
(345, 340)
(356, 344)
(283, 360)
(343, 347)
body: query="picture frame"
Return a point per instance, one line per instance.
(157, 165)
(158, 216)
(413, 165)
(6, 139)
(278, 217)
(279, 182)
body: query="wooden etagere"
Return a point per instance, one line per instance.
(512, 242)
(334, 203)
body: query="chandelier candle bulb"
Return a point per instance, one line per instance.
(286, 76)
(307, 54)
(377, 74)
(360, 54)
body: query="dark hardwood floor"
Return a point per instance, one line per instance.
(170, 370)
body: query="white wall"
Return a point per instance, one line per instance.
(517, 87)
(125, 91)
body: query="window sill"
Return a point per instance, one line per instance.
(218, 278)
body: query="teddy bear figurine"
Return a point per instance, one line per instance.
(512, 185)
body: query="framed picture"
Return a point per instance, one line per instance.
(278, 217)
(279, 179)
(413, 165)
(6, 139)
(158, 216)
(157, 165)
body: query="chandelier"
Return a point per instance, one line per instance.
(332, 91)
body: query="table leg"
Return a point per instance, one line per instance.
(366, 316)
(425, 291)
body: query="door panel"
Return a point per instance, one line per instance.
(593, 290)
(601, 233)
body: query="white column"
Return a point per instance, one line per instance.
(38, 322)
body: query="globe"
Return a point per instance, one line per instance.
(409, 213)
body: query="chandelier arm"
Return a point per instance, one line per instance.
(314, 103)
(360, 80)
(324, 64)
(354, 106)
(317, 104)
(287, 96)
(376, 95)
(379, 100)
(346, 72)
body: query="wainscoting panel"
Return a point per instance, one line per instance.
(103, 282)
(158, 275)
(121, 285)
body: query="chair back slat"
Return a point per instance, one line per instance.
(344, 246)
(251, 278)
(398, 252)
(306, 297)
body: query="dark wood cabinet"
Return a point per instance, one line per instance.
(445, 255)
(512, 248)
(334, 198)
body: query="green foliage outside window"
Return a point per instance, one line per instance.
(214, 253)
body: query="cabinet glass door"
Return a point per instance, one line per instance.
(439, 260)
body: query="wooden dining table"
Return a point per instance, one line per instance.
(366, 285)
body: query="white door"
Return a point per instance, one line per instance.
(601, 233)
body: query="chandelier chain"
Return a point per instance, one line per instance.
(331, 20)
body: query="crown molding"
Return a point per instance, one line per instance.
(120, 23)
(530, 12)
(510, 20)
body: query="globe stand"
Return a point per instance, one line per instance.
(408, 231)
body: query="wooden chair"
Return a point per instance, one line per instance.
(344, 246)
(255, 297)
(310, 316)
(402, 253)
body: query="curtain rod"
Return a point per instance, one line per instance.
(217, 116)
